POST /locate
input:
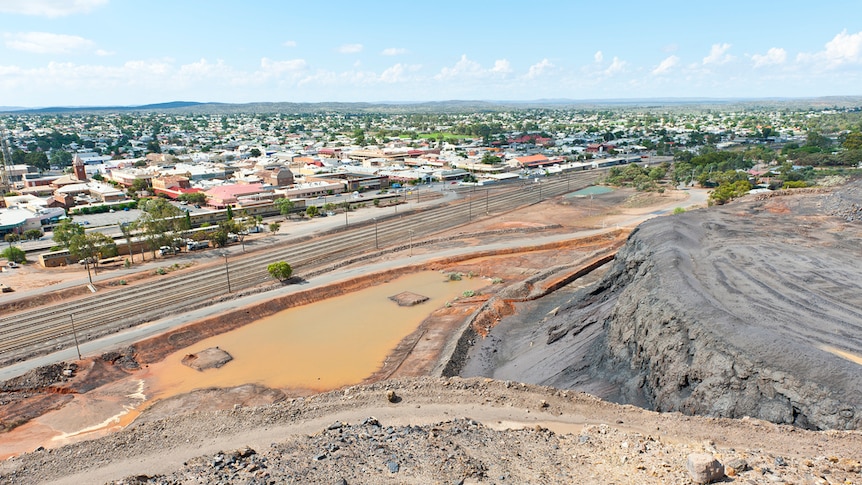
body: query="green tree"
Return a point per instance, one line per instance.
(32, 234)
(313, 211)
(229, 213)
(92, 246)
(853, 141)
(280, 270)
(38, 160)
(285, 206)
(199, 198)
(489, 159)
(12, 237)
(61, 158)
(154, 147)
(16, 255)
(160, 222)
(65, 231)
(359, 137)
(274, 227)
(255, 152)
(220, 237)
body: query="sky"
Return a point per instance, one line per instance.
(134, 52)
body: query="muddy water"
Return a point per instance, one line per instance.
(321, 346)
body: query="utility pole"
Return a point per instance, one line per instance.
(376, 242)
(411, 241)
(227, 273)
(75, 334)
(6, 166)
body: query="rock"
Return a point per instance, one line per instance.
(704, 468)
(393, 466)
(735, 467)
(211, 358)
(391, 396)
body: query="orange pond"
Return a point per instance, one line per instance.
(320, 346)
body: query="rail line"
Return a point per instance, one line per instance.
(48, 328)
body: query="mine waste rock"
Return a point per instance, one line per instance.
(751, 309)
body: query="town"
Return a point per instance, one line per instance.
(62, 167)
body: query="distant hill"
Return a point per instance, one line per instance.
(451, 106)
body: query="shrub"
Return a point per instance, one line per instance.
(678, 210)
(16, 255)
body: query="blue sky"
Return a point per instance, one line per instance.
(129, 52)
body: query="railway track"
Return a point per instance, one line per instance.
(49, 328)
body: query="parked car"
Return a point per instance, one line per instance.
(5, 289)
(11, 264)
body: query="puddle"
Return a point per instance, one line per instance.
(321, 346)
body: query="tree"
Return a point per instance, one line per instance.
(159, 222)
(255, 152)
(65, 231)
(853, 141)
(32, 234)
(92, 246)
(280, 270)
(12, 237)
(127, 229)
(313, 211)
(285, 206)
(274, 227)
(359, 137)
(220, 237)
(61, 158)
(16, 255)
(489, 159)
(38, 160)
(153, 147)
(199, 198)
(138, 185)
(229, 213)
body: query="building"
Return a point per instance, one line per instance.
(224, 195)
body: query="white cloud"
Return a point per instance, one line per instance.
(464, 67)
(289, 43)
(49, 8)
(718, 54)
(292, 65)
(46, 42)
(103, 52)
(394, 74)
(539, 68)
(598, 56)
(502, 66)
(666, 65)
(844, 48)
(350, 48)
(393, 51)
(775, 55)
(616, 66)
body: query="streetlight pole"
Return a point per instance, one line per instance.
(75, 334)
(227, 273)
(345, 213)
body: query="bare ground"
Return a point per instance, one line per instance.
(438, 431)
